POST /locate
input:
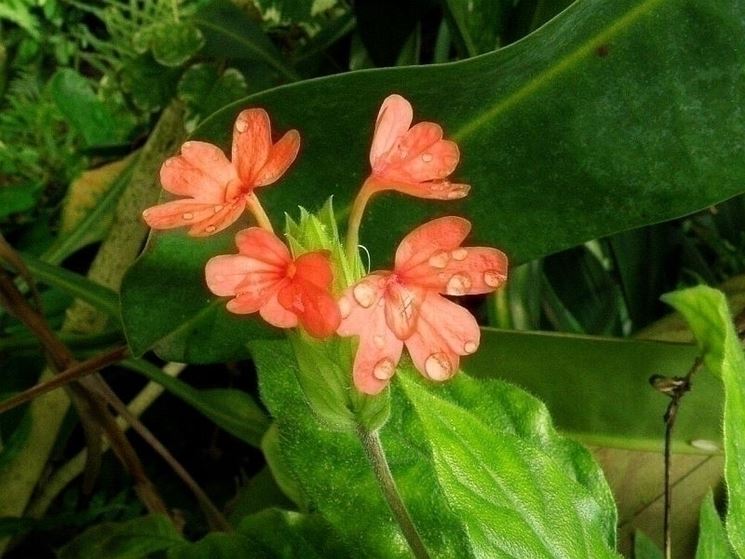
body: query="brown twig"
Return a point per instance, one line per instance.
(75, 372)
(676, 388)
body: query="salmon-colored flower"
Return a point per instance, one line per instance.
(263, 277)
(219, 190)
(388, 310)
(415, 159)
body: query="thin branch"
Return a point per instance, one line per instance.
(75, 372)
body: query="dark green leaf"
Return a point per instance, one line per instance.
(15, 199)
(205, 91)
(539, 128)
(258, 493)
(478, 24)
(231, 409)
(712, 537)
(150, 84)
(98, 123)
(133, 539)
(706, 311)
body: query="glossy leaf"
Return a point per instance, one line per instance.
(133, 539)
(233, 410)
(508, 476)
(555, 154)
(645, 548)
(708, 316)
(712, 537)
(597, 389)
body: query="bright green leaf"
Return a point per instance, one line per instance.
(233, 410)
(712, 537)
(706, 311)
(508, 476)
(133, 539)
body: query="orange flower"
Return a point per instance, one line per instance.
(415, 159)
(388, 310)
(219, 190)
(263, 277)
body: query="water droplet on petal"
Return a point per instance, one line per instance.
(439, 259)
(345, 307)
(458, 284)
(168, 162)
(384, 369)
(146, 213)
(459, 254)
(492, 278)
(364, 294)
(187, 145)
(437, 366)
(218, 208)
(241, 125)
(426, 157)
(469, 347)
(439, 186)
(188, 215)
(379, 341)
(210, 228)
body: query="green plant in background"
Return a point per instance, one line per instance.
(599, 139)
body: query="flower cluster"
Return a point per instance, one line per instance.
(386, 310)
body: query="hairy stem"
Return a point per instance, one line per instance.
(376, 455)
(355, 219)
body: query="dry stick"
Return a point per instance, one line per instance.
(75, 372)
(675, 388)
(93, 414)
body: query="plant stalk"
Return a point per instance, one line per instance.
(376, 456)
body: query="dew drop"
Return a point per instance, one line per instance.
(169, 162)
(426, 157)
(459, 254)
(384, 369)
(187, 145)
(188, 215)
(217, 208)
(470, 346)
(146, 213)
(492, 278)
(439, 259)
(364, 294)
(345, 307)
(379, 341)
(437, 366)
(210, 228)
(705, 444)
(241, 125)
(458, 284)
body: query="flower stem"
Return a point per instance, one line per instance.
(376, 455)
(355, 219)
(258, 212)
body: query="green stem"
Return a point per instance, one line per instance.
(376, 455)
(258, 212)
(355, 219)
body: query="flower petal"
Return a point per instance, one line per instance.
(432, 162)
(475, 270)
(262, 245)
(314, 307)
(223, 216)
(178, 213)
(252, 141)
(426, 243)
(437, 344)
(281, 156)
(358, 302)
(402, 308)
(233, 274)
(315, 268)
(379, 350)
(201, 171)
(276, 315)
(394, 119)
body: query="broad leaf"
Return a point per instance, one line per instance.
(508, 476)
(336, 479)
(712, 537)
(645, 548)
(134, 539)
(573, 133)
(708, 316)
